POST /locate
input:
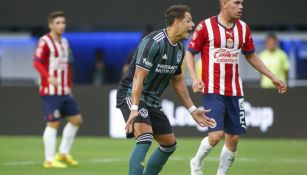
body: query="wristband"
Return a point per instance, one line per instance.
(134, 107)
(192, 109)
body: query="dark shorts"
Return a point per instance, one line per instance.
(57, 107)
(228, 112)
(154, 117)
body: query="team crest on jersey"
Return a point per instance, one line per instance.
(143, 112)
(179, 56)
(229, 43)
(199, 27)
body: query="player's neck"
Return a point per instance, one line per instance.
(55, 36)
(172, 35)
(225, 20)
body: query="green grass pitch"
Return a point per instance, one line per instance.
(104, 156)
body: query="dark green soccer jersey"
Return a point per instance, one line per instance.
(162, 59)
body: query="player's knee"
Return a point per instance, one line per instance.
(169, 148)
(76, 121)
(232, 141)
(214, 139)
(54, 124)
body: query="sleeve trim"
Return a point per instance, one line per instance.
(248, 52)
(194, 52)
(142, 67)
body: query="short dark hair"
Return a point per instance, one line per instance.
(175, 12)
(54, 15)
(272, 36)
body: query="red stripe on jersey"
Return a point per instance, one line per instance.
(240, 33)
(228, 79)
(56, 52)
(217, 44)
(69, 77)
(63, 82)
(55, 74)
(216, 32)
(205, 63)
(217, 76)
(238, 88)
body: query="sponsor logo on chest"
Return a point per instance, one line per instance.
(225, 55)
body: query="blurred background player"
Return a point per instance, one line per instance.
(155, 64)
(275, 59)
(52, 63)
(220, 39)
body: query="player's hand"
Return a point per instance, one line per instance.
(280, 85)
(130, 121)
(198, 86)
(199, 115)
(52, 80)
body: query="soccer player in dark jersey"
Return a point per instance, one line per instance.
(156, 62)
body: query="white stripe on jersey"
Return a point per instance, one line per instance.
(59, 71)
(243, 30)
(236, 37)
(211, 48)
(222, 65)
(66, 52)
(233, 81)
(236, 46)
(158, 35)
(161, 38)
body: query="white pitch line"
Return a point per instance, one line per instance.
(175, 158)
(19, 163)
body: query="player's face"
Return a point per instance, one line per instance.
(271, 44)
(234, 8)
(185, 26)
(58, 25)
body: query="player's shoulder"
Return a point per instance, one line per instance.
(242, 23)
(43, 41)
(156, 36)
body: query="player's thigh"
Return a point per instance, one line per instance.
(235, 116)
(216, 103)
(51, 107)
(142, 123)
(159, 122)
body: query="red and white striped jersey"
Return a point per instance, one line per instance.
(220, 49)
(54, 57)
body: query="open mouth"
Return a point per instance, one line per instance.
(190, 32)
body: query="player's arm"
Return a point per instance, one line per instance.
(254, 60)
(195, 46)
(41, 54)
(146, 52)
(199, 115)
(198, 85)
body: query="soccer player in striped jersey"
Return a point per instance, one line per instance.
(220, 39)
(156, 62)
(52, 63)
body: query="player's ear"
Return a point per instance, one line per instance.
(50, 25)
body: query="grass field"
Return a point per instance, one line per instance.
(105, 156)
